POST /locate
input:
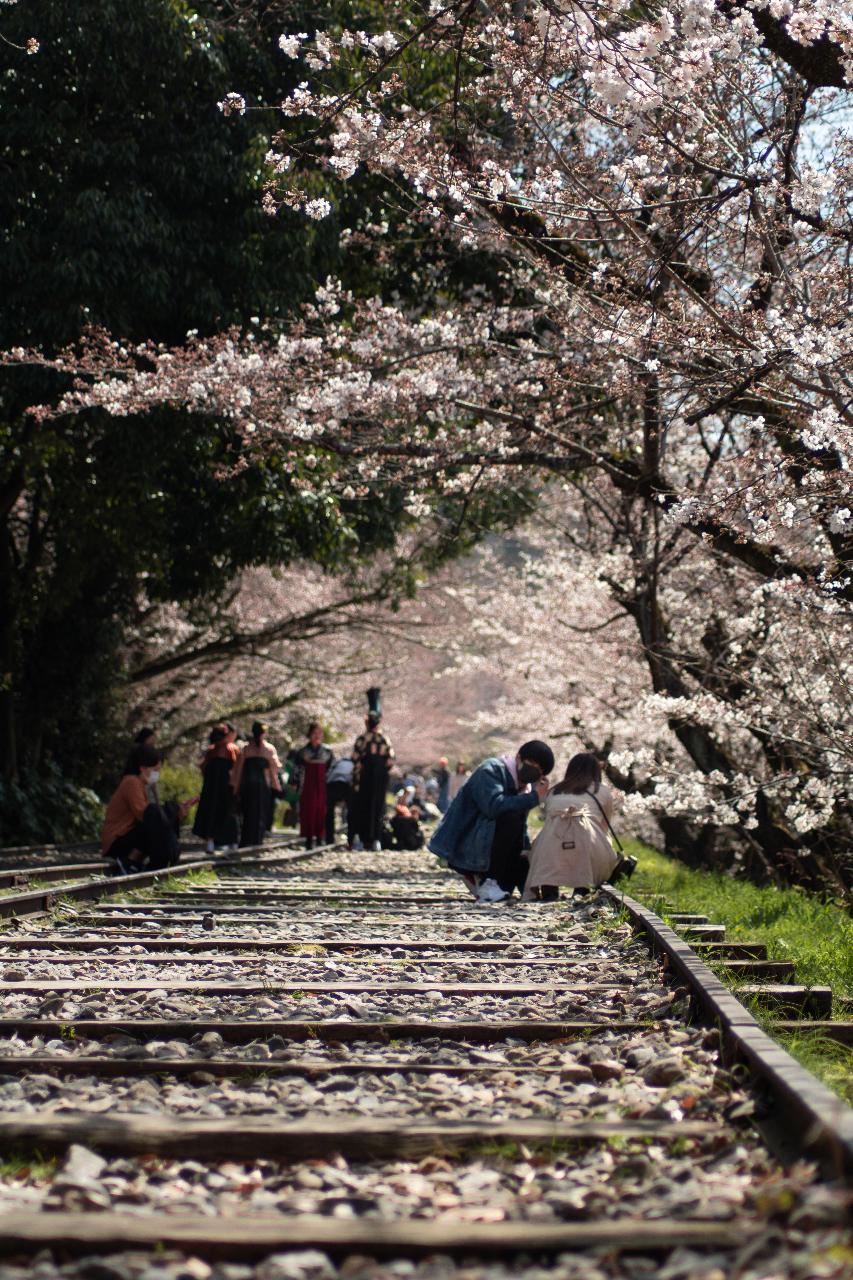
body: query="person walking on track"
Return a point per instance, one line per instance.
(372, 757)
(339, 790)
(313, 762)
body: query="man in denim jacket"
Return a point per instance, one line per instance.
(484, 831)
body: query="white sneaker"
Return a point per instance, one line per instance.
(377, 846)
(490, 891)
(358, 847)
(209, 847)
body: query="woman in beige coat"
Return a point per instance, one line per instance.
(573, 848)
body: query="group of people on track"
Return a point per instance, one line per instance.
(482, 833)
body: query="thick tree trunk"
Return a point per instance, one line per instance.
(8, 630)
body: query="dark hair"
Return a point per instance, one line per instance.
(143, 736)
(582, 772)
(315, 724)
(143, 757)
(218, 734)
(259, 728)
(373, 718)
(539, 753)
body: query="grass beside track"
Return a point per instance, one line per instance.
(798, 926)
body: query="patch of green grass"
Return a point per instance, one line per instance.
(830, 1062)
(798, 926)
(28, 1166)
(179, 782)
(171, 884)
(32, 886)
(816, 935)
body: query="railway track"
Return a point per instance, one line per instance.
(340, 1066)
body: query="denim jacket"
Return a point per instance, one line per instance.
(466, 832)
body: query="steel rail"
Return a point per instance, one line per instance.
(799, 1116)
(36, 901)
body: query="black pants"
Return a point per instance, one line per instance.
(509, 869)
(507, 866)
(155, 837)
(335, 793)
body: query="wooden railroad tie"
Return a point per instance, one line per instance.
(243, 1031)
(558, 964)
(309, 1069)
(254, 1236)
(275, 985)
(247, 1138)
(284, 946)
(813, 1002)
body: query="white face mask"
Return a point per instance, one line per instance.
(154, 775)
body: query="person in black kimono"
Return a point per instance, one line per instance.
(255, 779)
(216, 819)
(372, 757)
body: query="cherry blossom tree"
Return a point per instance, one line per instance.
(666, 192)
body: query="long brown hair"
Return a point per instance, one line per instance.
(582, 771)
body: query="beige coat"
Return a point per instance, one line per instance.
(573, 848)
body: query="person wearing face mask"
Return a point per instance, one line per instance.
(483, 835)
(144, 738)
(136, 833)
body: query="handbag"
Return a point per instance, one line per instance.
(616, 839)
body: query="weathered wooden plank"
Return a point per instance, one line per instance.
(70, 942)
(249, 1237)
(705, 932)
(79, 1065)
(813, 1002)
(840, 1032)
(133, 912)
(42, 986)
(734, 950)
(687, 917)
(244, 1031)
(252, 901)
(767, 969)
(556, 963)
(247, 1138)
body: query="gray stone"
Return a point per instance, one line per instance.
(102, 1269)
(304, 1264)
(82, 1165)
(210, 1042)
(664, 1072)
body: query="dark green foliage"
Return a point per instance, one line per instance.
(45, 807)
(128, 201)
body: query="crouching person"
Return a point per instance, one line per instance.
(573, 848)
(483, 835)
(138, 834)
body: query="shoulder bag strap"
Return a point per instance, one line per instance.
(607, 820)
